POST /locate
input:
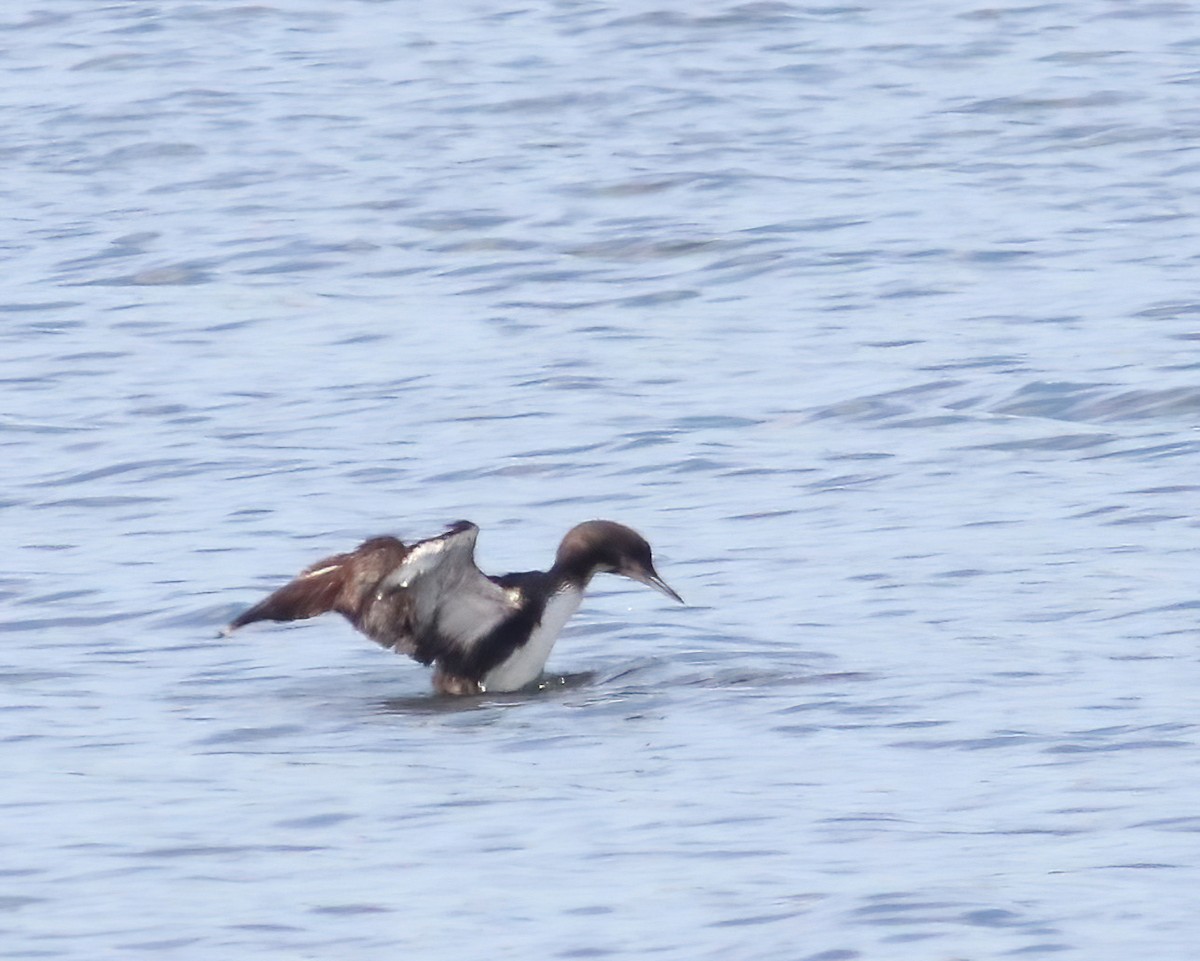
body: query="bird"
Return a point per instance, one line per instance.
(430, 601)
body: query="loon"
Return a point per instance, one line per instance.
(431, 602)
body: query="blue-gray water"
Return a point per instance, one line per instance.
(880, 321)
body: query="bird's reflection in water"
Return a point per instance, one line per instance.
(547, 685)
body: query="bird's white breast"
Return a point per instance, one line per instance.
(525, 664)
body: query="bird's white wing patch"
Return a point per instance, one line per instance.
(429, 555)
(319, 571)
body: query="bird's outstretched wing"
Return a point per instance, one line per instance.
(429, 600)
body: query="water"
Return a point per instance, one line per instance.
(879, 321)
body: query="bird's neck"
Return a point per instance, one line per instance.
(573, 572)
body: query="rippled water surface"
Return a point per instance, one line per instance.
(880, 321)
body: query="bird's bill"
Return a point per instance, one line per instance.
(651, 579)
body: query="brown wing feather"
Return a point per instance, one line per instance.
(347, 584)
